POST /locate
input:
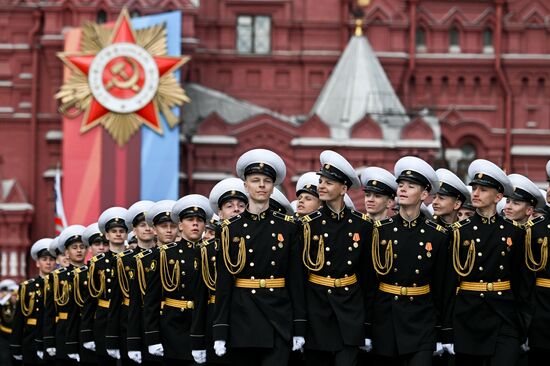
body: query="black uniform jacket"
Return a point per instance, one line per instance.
(336, 315)
(251, 317)
(174, 275)
(30, 308)
(539, 333)
(59, 305)
(479, 317)
(100, 286)
(403, 324)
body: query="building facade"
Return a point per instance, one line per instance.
(472, 77)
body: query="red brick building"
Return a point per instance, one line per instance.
(472, 78)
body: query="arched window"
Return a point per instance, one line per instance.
(454, 40)
(101, 17)
(420, 39)
(488, 40)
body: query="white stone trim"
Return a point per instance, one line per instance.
(213, 176)
(531, 150)
(54, 135)
(214, 139)
(364, 143)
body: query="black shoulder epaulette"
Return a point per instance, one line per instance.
(143, 253)
(168, 246)
(534, 221)
(379, 223)
(126, 252)
(459, 224)
(60, 270)
(436, 226)
(81, 269)
(28, 282)
(206, 243)
(361, 215)
(310, 217)
(226, 222)
(513, 222)
(98, 257)
(282, 216)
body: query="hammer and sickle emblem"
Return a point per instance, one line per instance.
(125, 81)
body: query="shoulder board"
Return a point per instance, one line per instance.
(168, 246)
(60, 270)
(361, 215)
(81, 269)
(513, 222)
(98, 257)
(310, 217)
(225, 222)
(283, 216)
(459, 224)
(143, 253)
(206, 243)
(436, 226)
(379, 223)
(126, 252)
(28, 282)
(535, 221)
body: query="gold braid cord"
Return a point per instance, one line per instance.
(26, 309)
(76, 290)
(46, 287)
(306, 255)
(381, 268)
(141, 276)
(63, 298)
(530, 261)
(466, 269)
(209, 281)
(170, 282)
(122, 278)
(92, 288)
(233, 268)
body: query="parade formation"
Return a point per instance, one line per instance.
(242, 278)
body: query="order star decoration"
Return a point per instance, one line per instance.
(121, 79)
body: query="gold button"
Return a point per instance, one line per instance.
(337, 282)
(403, 291)
(482, 295)
(190, 305)
(262, 283)
(501, 267)
(490, 286)
(480, 268)
(419, 257)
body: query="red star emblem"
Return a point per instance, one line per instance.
(123, 77)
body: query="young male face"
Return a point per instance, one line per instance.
(45, 264)
(376, 203)
(62, 260)
(517, 210)
(99, 246)
(209, 234)
(330, 190)
(231, 207)
(484, 197)
(307, 203)
(445, 205)
(259, 187)
(166, 232)
(465, 213)
(76, 252)
(192, 228)
(144, 232)
(410, 193)
(116, 235)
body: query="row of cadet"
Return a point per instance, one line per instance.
(257, 280)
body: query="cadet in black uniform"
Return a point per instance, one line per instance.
(449, 198)
(536, 259)
(490, 313)
(124, 273)
(380, 187)
(80, 323)
(260, 310)
(63, 307)
(527, 197)
(172, 284)
(8, 300)
(101, 279)
(335, 244)
(227, 198)
(30, 307)
(409, 255)
(158, 217)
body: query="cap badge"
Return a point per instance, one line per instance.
(408, 172)
(116, 219)
(374, 182)
(327, 166)
(233, 193)
(441, 184)
(261, 165)
(480, 175)
(195, 208)
(167, 213)
(308, 185)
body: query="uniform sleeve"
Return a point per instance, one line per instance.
(439, 288)
(112, 339)
(368, 280)
(88, 310)
(73, 324)
(199, 317)
(452, 281)
(296, 284)
(16, 338)
(46, 325)
(134, 330)
(224, 291)
(151, 303)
